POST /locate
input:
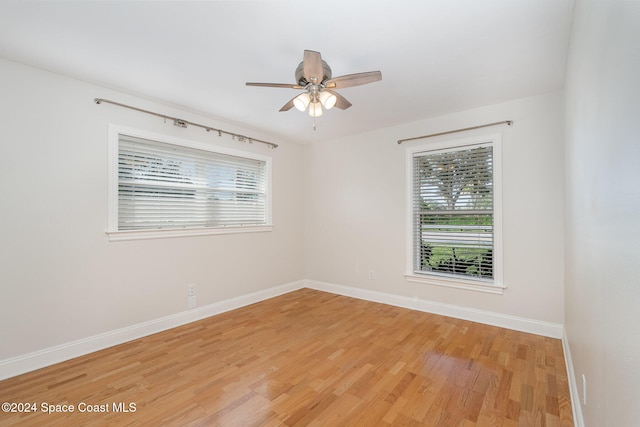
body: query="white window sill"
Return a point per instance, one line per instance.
(115, 236)
(470, 285)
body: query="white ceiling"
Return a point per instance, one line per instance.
(436, 56)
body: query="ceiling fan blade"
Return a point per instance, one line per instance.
(312, 67)
(288, 105)
(353, 80)
(282, 85)
(341, 102)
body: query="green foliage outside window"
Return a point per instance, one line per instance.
(455, 212)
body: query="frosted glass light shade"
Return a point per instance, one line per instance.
(301, 101)
(315, 109)
(328, 100)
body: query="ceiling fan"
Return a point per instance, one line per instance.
(313, 76)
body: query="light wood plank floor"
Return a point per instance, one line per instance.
(309, 358)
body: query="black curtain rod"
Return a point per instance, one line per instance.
(508, 122)
(184, 123)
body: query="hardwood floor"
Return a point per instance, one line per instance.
(308, 358)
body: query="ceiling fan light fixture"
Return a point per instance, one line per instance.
(315, 109)
(328, 100)
(314, 77)
(301, 102)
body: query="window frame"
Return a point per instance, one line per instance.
(113, 232)
(495, 285)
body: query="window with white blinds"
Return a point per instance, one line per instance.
(453, 212)
(165, 186)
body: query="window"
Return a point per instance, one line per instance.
(163, 187)
(455, 220)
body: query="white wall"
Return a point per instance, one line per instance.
(603, 208)
(339, 212)
(355, 217)
(61, 279)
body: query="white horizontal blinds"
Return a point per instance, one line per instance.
(453, 212)
(165, 186)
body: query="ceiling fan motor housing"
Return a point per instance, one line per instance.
(326, 71)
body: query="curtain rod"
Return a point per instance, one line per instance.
(508, 122)
(183, 123)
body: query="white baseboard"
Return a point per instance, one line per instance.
(547, 329)
(49, 356)
(578, 419)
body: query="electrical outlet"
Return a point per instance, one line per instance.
(192, 289)
(372, 275)
(191, 302)
(584, 389)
